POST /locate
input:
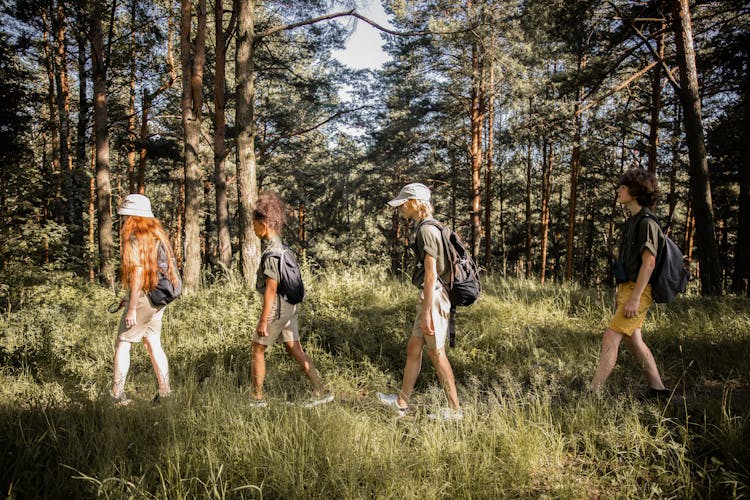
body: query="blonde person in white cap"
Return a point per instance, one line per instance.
(142, 238)
(430, 327)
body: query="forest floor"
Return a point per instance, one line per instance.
(524, 356)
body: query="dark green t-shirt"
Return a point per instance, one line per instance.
(428, 241)
(269, 267)
(638, 234)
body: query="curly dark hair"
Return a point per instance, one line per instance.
(642, 186)
(270, 209)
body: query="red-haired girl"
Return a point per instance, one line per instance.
(142, 238)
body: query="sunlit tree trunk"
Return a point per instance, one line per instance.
(547, 164)
(488, 169)
(101, 138)
(132, 180)
(192, 104)
(710, 272)
(245, 124)
(476, 149)
(528, 205)
(220, 148)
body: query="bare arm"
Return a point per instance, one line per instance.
(648, 262)
(269, 295)
(135, 290)
(430, 278)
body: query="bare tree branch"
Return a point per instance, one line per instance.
(353, 13)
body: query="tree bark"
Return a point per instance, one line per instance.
(575, 170)
(546, 193)
(132, 180)
(220, 148)
(488, 170)
(75, 205)
(476, 149)
(710, 272)
(528, 205)
(653, 132)
(101, 138)
(245, 124)
(192, 105)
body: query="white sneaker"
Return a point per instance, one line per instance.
(257, 403)
(392, 401)
(447, 414)
(319, 400)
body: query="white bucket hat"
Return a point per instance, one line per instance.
(136, 204)
(413, 191)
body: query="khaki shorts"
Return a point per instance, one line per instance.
(619, 322)
(282, 324)
(147, 320)
(441, 311)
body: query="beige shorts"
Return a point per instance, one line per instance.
(147, 320)
(441, 311)
(282, 324)
(619, 322)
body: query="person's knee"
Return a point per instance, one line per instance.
(612, 338)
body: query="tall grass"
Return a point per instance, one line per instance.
(525, 354)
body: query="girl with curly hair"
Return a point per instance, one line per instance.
(641, 239)
(143, 240)
(278, 318)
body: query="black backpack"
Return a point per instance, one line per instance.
(290, 285)
(165, 291)
(670, 276)
(463, 284)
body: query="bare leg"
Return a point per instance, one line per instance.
(445, 375)
(411, 369)
(258, 369)
(607, 358)
(294, 348)
(159, 362)
(643, 354)
(121, 367)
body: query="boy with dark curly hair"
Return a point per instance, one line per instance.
(278, 318)
(641, 239)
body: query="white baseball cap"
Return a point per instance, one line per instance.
(136, 204)
(413, 191)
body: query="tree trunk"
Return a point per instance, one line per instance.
(192, 104)
(245, 123)
(220, 148)
(710, 274)
(476, 149)
(575, 170)
(101, 138)
(653, 132)
(147, 100)
(488, 170)
(75, 205)
(546, 192)
(132, 180)
(741, 279)
(54, 199)
(528, 207)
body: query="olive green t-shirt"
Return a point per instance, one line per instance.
(638, 234)
(269, 267)
(428, 241)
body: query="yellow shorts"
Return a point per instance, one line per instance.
(624, 325)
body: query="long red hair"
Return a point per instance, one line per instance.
(140, 237)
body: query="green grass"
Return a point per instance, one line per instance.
(525, 354)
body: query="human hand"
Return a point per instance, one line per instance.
(631, 307)
(130, 317)
(262, 328)
(426, 324)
